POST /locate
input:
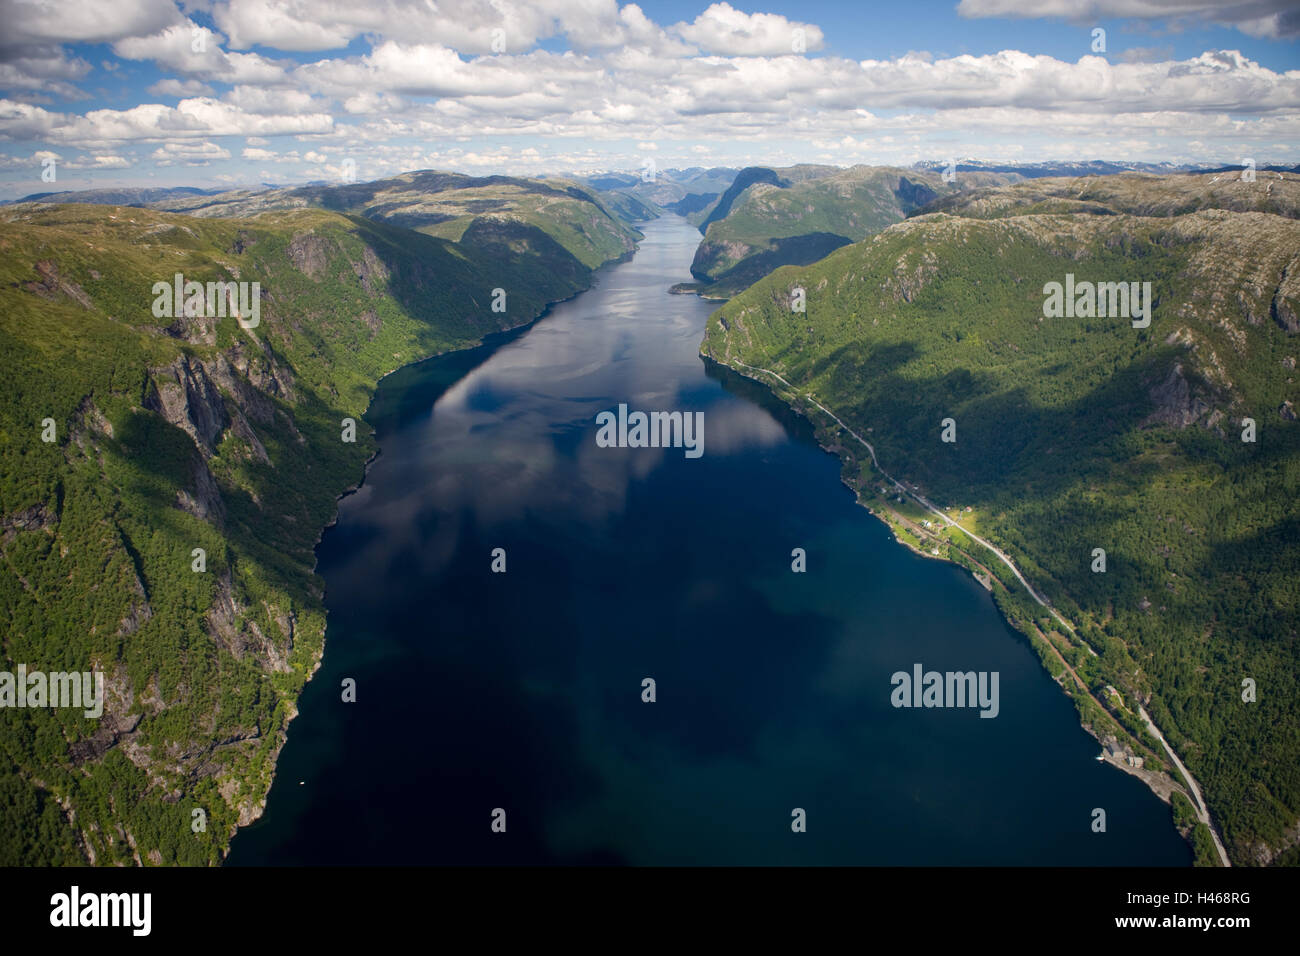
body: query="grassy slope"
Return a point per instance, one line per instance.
(854, 203)
(96, 529)
(1075, 434)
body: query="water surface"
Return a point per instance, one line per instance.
(523, 690)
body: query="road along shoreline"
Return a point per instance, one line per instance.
(1192, 790)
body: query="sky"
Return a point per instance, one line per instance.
(227, 93)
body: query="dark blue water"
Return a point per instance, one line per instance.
(522, 690)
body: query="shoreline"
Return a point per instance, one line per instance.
(1161, 783)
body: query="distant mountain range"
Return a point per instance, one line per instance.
(122, 196)
(1095, 167)
(682, 191)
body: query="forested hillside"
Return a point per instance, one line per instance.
(178, 432)
(1080, 433)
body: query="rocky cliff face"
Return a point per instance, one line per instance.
(186, 397)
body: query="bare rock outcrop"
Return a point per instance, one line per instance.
(1177, 403)
(232, 627)
(185, 396)
(309, 254)
(204, 500)
(52, 285)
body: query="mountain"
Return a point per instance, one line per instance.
(678, 190)
(1095, 167)
(1130, 193)
(446, 205)
(744, 179)
(175, 432)
(626, 206)
(1078, 436)
(692, 203)
(119, 196)
(797, 215)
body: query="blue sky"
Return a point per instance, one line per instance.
(220, 93)
(885, 30)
